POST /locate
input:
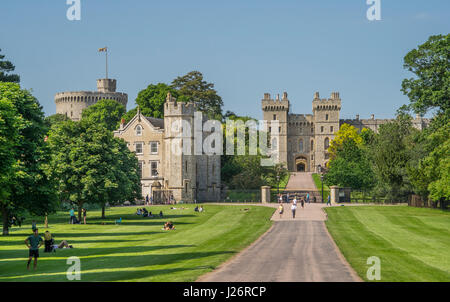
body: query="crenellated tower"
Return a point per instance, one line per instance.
(326, 124)
(278, 109)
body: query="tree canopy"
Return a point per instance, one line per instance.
(195, 89)
(105, 112)
(25, 185)
(6, 67)
(430, 63)
(91, 165)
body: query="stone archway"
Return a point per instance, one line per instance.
(301, 164)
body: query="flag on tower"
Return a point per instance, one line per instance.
(103, 49)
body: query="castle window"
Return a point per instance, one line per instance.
(326, 117)
(138, 130)
(312, 145)
(274, 116)
(300, 146)
(153, 147)
(321, 129)
(139, 147)
(154, 168)
(140, 169)
(326, 143)
(331, 129)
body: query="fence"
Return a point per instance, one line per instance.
(418, 202)
(361, 196)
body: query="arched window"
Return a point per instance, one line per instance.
(326, 143)
(326, 117)
(138, 130)
(300, 145)
(312, 145)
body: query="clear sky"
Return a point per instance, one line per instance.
(245, 47)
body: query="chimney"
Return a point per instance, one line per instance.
(284, 95)
(316, 95)
(372, 116)
(278, 97)
(267, 96)
(357, 117)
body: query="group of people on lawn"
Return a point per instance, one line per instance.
(144, 213)
(73, 218)
(34, 242)
(303, 200)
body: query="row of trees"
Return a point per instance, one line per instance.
(399, 159)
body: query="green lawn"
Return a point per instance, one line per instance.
(318, 183)
(138, 249)
(413, 244)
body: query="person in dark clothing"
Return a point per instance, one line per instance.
(33, 242)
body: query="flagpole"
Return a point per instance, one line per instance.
(106, 62)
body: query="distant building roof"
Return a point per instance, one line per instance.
(157, 122)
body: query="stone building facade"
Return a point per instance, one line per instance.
(72, 104)
(304, 138)
(166, 173)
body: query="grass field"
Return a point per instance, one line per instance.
(138, 249)
(413, 244)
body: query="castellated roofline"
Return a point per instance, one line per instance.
(269, 104)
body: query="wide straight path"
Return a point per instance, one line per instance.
(301, 181)
(293, 250)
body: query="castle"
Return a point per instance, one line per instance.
(166, 175)
(71, 104)
(305, 138)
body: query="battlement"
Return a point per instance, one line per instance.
(172, 107)
(278, 104)
(332, 103)
(106, 85)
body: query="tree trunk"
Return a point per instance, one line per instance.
(5, 221)
(103, 212)
(79, 212)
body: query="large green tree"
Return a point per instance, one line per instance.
(6, 67)
(105, 112)
(25, 188)
(151, 101)
(195, 89)
(91, 165)
(430, 63)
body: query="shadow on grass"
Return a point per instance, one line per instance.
(64, 236)
(134, 266)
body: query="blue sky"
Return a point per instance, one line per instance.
(245, 47)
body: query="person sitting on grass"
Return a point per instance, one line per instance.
(196, 209)
(144, 212)
(160, 214)
(62, 245)
(150, 215)
(169, 226)
(200, 209)
(138, 212)
(48, 241)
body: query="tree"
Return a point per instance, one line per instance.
(430, 63)
(26, 187)
(55, 119)
(390, 156)
(345, 133)
(105, 112)
(351, 167)
(195, 89)
(91, 165)
(5, 68)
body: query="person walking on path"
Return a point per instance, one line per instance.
(33, 242)
(307, 197)
(72, 216)
(281, 209)
(293, 208)
(329, 201)
(295, 200)
(302, 202)
(84, 215)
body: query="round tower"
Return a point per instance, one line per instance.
(72, 104)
